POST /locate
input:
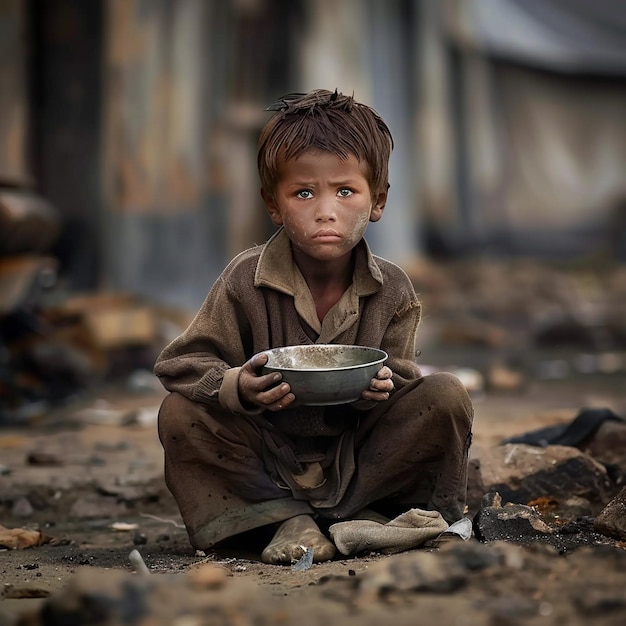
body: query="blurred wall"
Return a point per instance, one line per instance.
(66, 97)
(14, 103)
(138, 120)
(186, 86)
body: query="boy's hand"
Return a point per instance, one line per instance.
(264, 391)
(380, 387)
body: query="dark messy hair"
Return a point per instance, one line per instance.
(327, 121)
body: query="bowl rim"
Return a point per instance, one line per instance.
(383, 356)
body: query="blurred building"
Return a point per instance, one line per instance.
(137, 121)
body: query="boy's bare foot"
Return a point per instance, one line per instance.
(292, 535)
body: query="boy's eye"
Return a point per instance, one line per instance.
(345, 192)
(304, 194)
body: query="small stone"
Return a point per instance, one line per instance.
(22, 508)
(612, 519)
(139, 539)
(208, 576)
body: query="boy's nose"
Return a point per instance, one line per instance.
(326, 209)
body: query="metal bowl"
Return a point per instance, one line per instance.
(324, 374)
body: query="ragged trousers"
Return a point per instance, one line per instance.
(410, 451)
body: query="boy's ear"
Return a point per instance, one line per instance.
(271, 207)
(378, 206)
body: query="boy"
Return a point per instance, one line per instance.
(238, 454)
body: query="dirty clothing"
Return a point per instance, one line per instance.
(232, 468)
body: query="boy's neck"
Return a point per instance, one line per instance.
(327, 281)
(320, 273)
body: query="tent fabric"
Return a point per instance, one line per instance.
(571, 36)
(524, 138)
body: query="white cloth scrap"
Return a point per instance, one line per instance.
(407, 531)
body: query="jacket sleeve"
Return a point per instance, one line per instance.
(399, 342)
(196, 362)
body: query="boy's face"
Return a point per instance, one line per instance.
(325, 203)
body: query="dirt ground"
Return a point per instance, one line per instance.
(95, 463)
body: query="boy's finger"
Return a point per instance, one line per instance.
(258, 360)
(384, 373)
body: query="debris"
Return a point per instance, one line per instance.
(612, 519)
(471, 378)
(556, 369)
(147, 416)
(470, 331)
(462, 528)
(138, 563)
(102, 412)
(439, 572)
(94, 506)
(164, 521)
(143, 380)
(22, 593)
(21, 538)
(512, 522)
(520, 473)
(208, 576)
(501, 377)
(112, 320)
(46, 459)
(123, 526)
(305, 561)
(574, 433)
(22, 508)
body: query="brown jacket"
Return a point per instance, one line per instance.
(261, 301)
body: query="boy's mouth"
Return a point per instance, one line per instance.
(326, 235)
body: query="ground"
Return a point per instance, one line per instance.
(98, 462)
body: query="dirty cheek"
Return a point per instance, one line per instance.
(359, 228)
(296, 228)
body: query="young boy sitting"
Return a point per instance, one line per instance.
(240, 454)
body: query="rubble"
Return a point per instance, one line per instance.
(611, 520)
(86, 469)
(20, 538)
(521, 473)
(463, 583)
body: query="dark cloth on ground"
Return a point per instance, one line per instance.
(573, 433)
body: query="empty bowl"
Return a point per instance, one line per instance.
(324, 374)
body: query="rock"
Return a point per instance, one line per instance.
(140, 539)
(531, 526)
(22, 508)
(470, 331)
(608, 443)
(470, 378)
(92, 506)
(521, 473)
(475, 487)
(10, 592)
(612, 519)
(208, 576)
(43, 458)
(512, 522)
(444, 571)
(503, 378)
(562, 511)
(118, 598)
(20, 538)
